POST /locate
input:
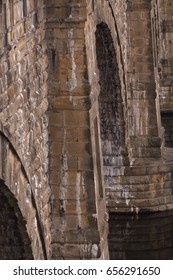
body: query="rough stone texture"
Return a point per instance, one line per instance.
(23, 103)
(85, 117)
(71, 170)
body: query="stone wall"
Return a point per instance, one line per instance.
(77, 214)
(23, 102)
(19, 193)
(163, 36)
(44, 119)
(125, 95)
(84, 89)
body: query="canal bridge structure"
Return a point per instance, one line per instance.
(86, 110)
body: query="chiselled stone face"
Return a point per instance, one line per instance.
(85, 98)
(23, 103)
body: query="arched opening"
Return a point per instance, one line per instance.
(112, 126)
(14, 240)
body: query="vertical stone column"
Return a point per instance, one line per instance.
(75, 222)
(164, 66)
(164, 51)
(142, 124)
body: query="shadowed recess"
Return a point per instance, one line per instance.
(14, 240)
(141, 237)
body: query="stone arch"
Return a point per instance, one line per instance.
(14, 240)
(20, 198)
(112, 124)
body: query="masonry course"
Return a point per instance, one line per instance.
(85, 119)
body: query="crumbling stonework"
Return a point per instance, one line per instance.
(85, 118)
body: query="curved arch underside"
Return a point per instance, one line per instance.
(14, 240)
(112, 125)
(20, 210)
(110, 101)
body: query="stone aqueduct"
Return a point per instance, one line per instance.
(86, 110)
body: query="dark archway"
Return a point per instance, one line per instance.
(14, 240)
(112, 125)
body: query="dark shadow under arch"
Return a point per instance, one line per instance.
(112, 125)
(14, 241)
(6, 148)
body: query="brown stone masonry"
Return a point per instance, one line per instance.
(85, 121)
